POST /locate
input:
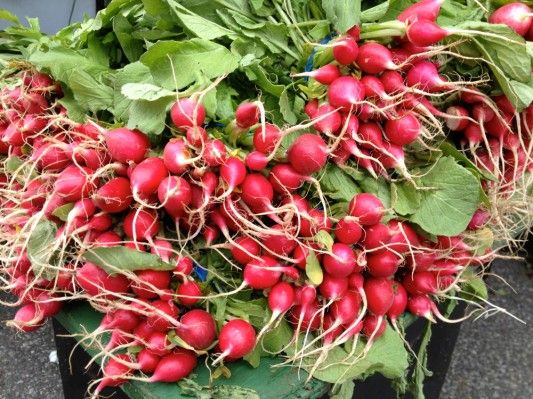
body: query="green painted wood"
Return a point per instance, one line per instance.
(270, 383)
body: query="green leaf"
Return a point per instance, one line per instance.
(277, 338)
(379, 187)
(286, 108)
(375, 13)
(5, 15)
(187, 58)
(63, 211)
(313, 270)
(131, 73)
(449, 149)
(133, 48)
(343, 14)
(254, 357)
(13, 163)
(190, 388)
(145, 91)
(343, 391)
(337, 184)
(473, 286)
(115, 259)
(404, 198)
(387, 356)
(90, 93)
(41, 248)
(149, 116)
(449, 198)
(420, 370)
(324, 239)
(257, 74)
(454, 12)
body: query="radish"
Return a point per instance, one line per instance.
(399, 303)
(233, 172)
(95, 281)
(158, 344)
(331, 120)
(158, 322)
(247, 115)
(149, 282)
(261, 273)
(175, 366)
(393, 82)
(425, 76)
(307, 154)
(380, 295)
(421, 306)
(422, 282)
(115, 373)
(332, 288)
(280, 299)
(265, 141)
(425, 33)
(256, 160)
(146, 176)
(517, 16)
(214, 153)
(370, 136)
(346, 92)
(278, 242)
(244, 248)
(375, 58)
(50, 157)
(236, 339)
(141, 224)
(403, 237)
(324, 75)
(175, 194)
(122, 319)
(383, 263)
(176, 156)
(345, 50)
(305, 316)
(403, 130)
(367, 208)
(479, 219)
(126, 145)
(196, 136)
(189, 293)
(285, 179)
(186, 112)
(374, 326)
(147, 361)
(75, 183)
(257, 192)
(341, 261)
(473, 133)
(184, 266)
(197, 328)
(373, 87)
(314, 222)
(348, 231)
(421, 261)
(458, 120)
(311, 107)
(27, 318)
(422, 10)
(346, 309)
(163, 249)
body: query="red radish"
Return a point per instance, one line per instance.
(75, 183)
(147, 361)
(118, 338)
(305, 315)
(421, 261)
(261, 273)
(266, 142)
(380, 295)
(35, 194)
(175, 366)
(421, 306)
(257, 192)
(108, 239)
(150, 280)
(331, 120)
(285, 179)
(517, 16)
(445, 282)
(126, 145)
(482, 113)
(370, 136)
(325, 74)
(348, 231)
(420, 283)
(176, 156)
(278, 242)
(504, 104)
(115, 373)
(184, 265)
(497, 127)
(383, 263)
(403, 237)
(345, 50)
(122, 319)
(354, 32)
(314, 222)
(281, 298)
(375, 58)
(163, 249)
(233, 172)
(100, 222)
(403, 130)
(374, 326)
(341, 261)
(425, 33)
(311, 107)
(425, 76)
(392, 82)
(140, 224)
(351, 124)
(236, 339)
(50, 157)
(256, 160)
(373, 87)
(214, 153)
(332, 288)
(244, 248)
(305, 295)
(247, 115)
(307, 154)
(189, 293)
(158, 322)
(479, 219)
(27, 318)
(186, 112)
(421, 10)
(346, 92)
(147, 175)
(346, 309)
(458, 119)
(473, 133)
(399, 302)
(196, 136)
(175, 194)
(158, 344)
(83, 209)
(95, 281)
(197, 328)
(367, 208)
(300, 255)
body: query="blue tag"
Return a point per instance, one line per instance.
(310, 60)
(200, 271)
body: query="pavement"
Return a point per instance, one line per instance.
(493, 358)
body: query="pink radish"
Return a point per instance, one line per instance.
(458, 119)
(332, 288)
(479, 219)
(380, 295)
(163, 249)
(196, 136)
(189, 293)
(370, 136)
(114, 196)
(115, 373)
(346, 92)
(374, 326)
(175, 366)
(184, 265)
(140, 224)
(256, 160)
(421, 10)
(126, 145)
(246, 115)
(257, 192)
(158, 344)
(197, 328)
(215, 153)
(383, 263)
(517, 16)
(95, 281)
(399, 302)
(308, 154)
(473, 133)
(243, 248)
(348, 231)
(147, 175)
(27, 318)
(314, 222)
(50, 157)
(425, 33)
(403, 130)
(266, 142)
(261, 273)
(176, 156)
(281, 298)
(421, 261)
(325, 74)
(158, 322)
(425, 76)
(403, 237)
(345, 50)
(367, 208)
(147, 361)
(330, 123)
(392, 82)
(341, 261)
(311, 107)
(278, 242)
(375, 58)
(420, 283)
(186, 112)
(175, 194)
(285, 179)
(346, 309)
(421, 306)
(75, 183)
(233, 172)
(236, 339)
(125, 320)
(373, 87)
(150, 280)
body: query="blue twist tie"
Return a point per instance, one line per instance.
(311, 59)
(200, 271)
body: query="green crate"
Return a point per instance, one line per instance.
(268, 382)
